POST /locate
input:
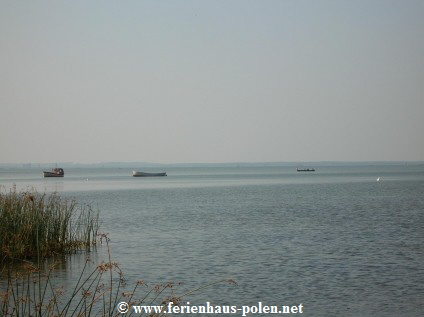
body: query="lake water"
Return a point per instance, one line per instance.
(335, 240)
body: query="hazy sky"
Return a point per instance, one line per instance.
(211, 81)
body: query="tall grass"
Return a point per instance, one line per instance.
(40, 225)
(34, 225)
(97, 292)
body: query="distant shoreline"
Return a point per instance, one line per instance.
(228, 164)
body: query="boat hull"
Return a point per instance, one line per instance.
(305, 169)
(50, 174)
(56, 172)
(144, 174)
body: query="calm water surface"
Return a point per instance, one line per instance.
(336, 240)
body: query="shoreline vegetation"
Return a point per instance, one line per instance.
(40, 225)
(132, 165)
(36, 226)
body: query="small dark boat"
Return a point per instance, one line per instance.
(55, 172)
(305, 169)
(144, 174)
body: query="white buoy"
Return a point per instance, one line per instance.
(378, 179)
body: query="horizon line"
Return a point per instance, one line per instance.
(28, 164)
